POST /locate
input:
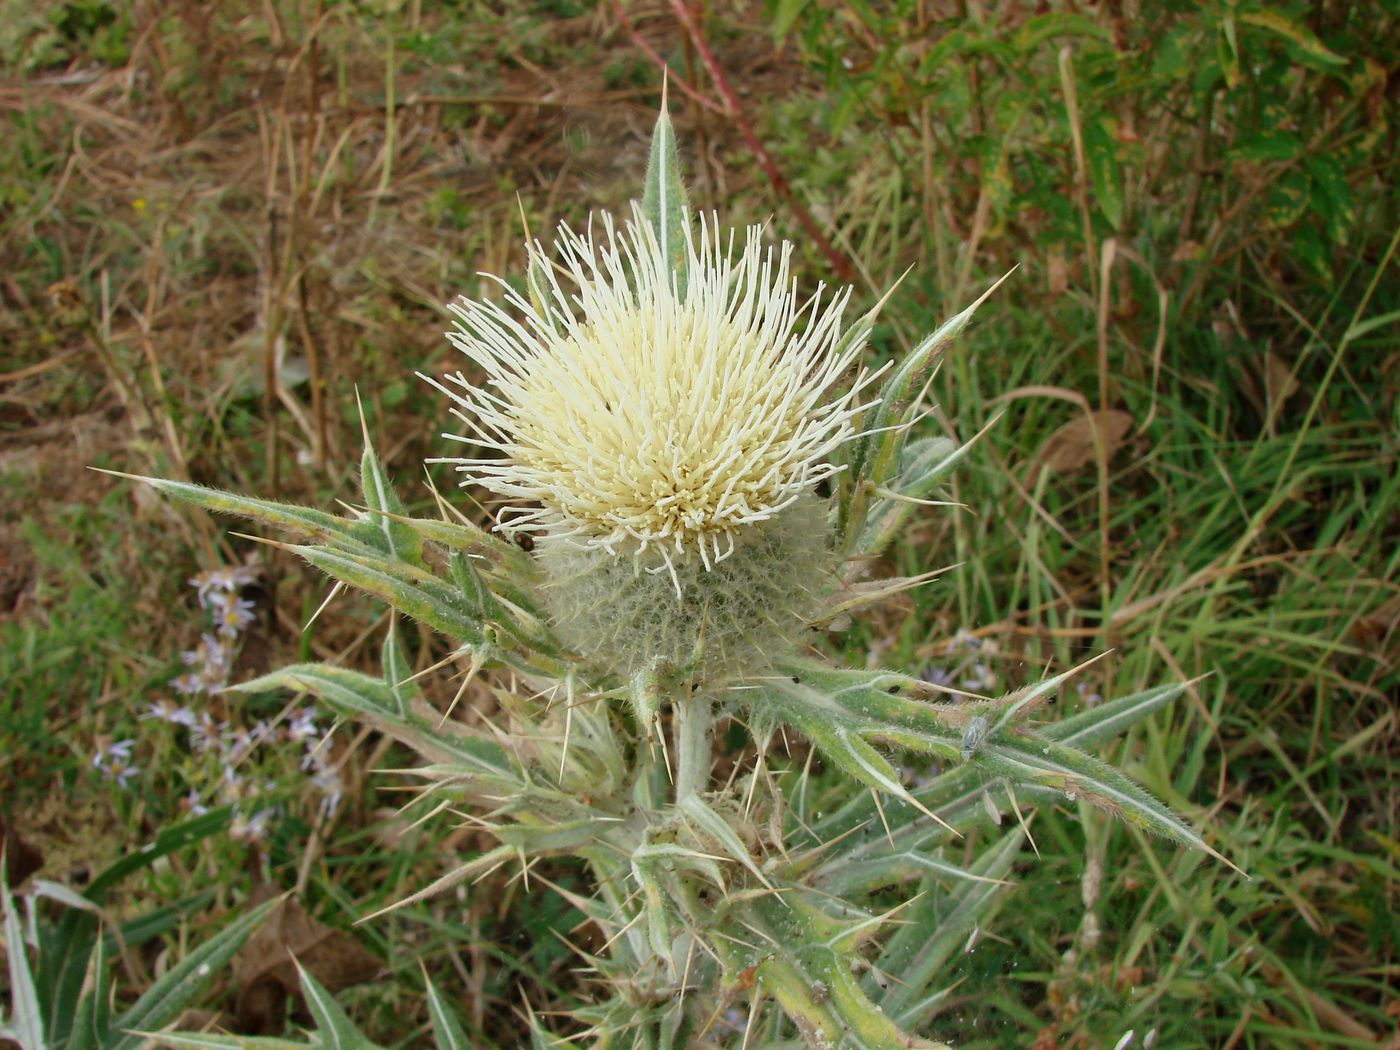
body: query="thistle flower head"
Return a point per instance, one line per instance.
(630, 410)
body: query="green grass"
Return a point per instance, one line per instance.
(1243, 529)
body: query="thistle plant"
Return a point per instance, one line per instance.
(694, 471)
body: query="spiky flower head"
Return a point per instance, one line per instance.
(657, 414)
(634, 411)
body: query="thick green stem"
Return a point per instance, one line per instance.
(694, 720)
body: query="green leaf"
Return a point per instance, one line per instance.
(1105, 175)
(1309, 49)
(373, 701)
(1041, 28)
(873, 459)
(711, 825)
(1272, 145)
(922, 465)
(166, 841)
(26, 1022)
(207, 1041)
(398, 674)
(1097, 725)
(306, 521)
(411, 591)
(664, 201)
(334, 1029)
(785, 16)
(186, 980)
(936, 926)
(1032, 759)
(446, 1028)
(92, 1024)
(801, 957)
(398, 539)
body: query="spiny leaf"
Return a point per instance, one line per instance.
(875, 455)
(800, 963)
(373, 701)
(664, 199)
(703, 817)
(399, 540)
(937, 926)
(1023, 758)
(187, 979)
(922, 465)
(1097, 725)
(413, 593)
(306, 521)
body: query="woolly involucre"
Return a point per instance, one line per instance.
(629, 414)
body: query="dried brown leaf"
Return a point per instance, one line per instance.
(1072, 445)
(266, 974)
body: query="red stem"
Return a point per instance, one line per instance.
(839, 262)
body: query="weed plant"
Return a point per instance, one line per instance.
(198, 197)
(695, 481)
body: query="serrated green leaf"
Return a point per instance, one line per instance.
(187, 979)
(664, 201)
(802, 958)
(922, 465)
(887, 869)
(1049, 764)
(872, 460)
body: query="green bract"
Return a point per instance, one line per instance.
(731, 917)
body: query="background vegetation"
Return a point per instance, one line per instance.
(220, 221)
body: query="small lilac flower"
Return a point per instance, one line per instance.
(189, 684)
(328, 782)
(302, 725)
(251, 829)
(172, 713)
(208, 584)
(209, 654)
(233, 615)
(207, 735)
(193, 806)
